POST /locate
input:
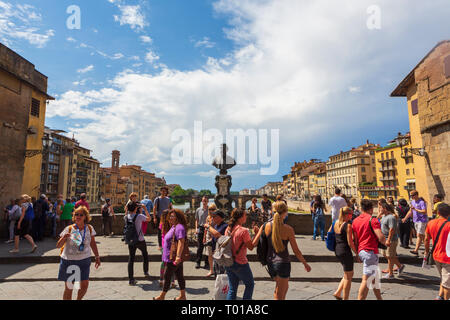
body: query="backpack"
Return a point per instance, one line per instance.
(223, 255)
(29, 213)
(130, 234)
(38, 208)
(70, 231)
(263, 247)
(16, 214)
(105, 211)
(331, 239)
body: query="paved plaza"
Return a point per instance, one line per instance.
(32, 276)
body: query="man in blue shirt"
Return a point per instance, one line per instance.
(148, 203)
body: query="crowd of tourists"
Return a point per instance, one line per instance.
(223, 242)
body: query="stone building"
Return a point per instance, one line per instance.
(118, 182)
(351, 170)
(23, 100)
(427, 90)
(68, 169)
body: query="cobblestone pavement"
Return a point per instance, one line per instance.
(203, 290)
(31, 277)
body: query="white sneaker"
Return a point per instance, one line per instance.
(388, 276)
(9, 241)
(14, 251)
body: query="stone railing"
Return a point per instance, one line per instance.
(302, 224)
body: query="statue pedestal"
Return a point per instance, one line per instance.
(223, 199)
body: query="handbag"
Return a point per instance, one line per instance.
(429, 257)
(380, 245)
(331, 239)
(185, 255)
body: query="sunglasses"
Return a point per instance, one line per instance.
(79, 215)
(172, 217)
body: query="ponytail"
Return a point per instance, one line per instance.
(280, 207)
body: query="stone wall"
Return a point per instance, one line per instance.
(433, 88)
(302, 224)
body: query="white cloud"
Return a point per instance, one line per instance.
(87, 69)
(205, 42)
(131, 15)
(146, 39)
(293, 64)
(151, 57)
(354, 89)
(22, 22)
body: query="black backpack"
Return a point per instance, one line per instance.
(263, 247)
(130, 234)
(38, 208)
(105, 211)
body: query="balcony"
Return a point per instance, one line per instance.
(388, 168)
(388, 178)
(387, 160)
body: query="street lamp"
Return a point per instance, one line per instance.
(403, 141)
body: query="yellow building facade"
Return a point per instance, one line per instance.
(427, 91)
(32, 167)
(395, 170)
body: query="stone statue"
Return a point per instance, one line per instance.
(223, 181)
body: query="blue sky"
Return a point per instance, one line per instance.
(138, 70)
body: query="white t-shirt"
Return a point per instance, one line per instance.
(71, 249)
(336, 203)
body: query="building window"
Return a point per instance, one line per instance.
(35, 107)
(407, 172)
(414, 107)
(363, 169)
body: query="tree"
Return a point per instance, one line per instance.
(205, 192)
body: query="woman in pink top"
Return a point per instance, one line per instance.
(241, 241)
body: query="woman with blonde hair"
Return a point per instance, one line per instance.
(278, 236)
(76, 242)
(22, 227)
(344, 247)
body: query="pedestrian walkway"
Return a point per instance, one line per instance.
(33, 275)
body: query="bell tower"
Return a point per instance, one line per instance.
(115, 161)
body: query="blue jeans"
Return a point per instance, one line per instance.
(236, 273)
(319, 223)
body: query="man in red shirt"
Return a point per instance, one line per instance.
(366, 240)
(82, 202)
(441, 253)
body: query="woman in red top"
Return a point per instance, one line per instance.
(241, 241)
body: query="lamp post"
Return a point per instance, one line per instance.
(403, 141)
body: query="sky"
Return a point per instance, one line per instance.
(139, 76)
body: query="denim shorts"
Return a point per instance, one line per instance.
(69, 268)
(279, 269)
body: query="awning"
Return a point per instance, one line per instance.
(411, 181)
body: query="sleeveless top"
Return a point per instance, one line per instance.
(272, 255)
(342, 246)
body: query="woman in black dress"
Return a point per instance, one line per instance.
(344, 248)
